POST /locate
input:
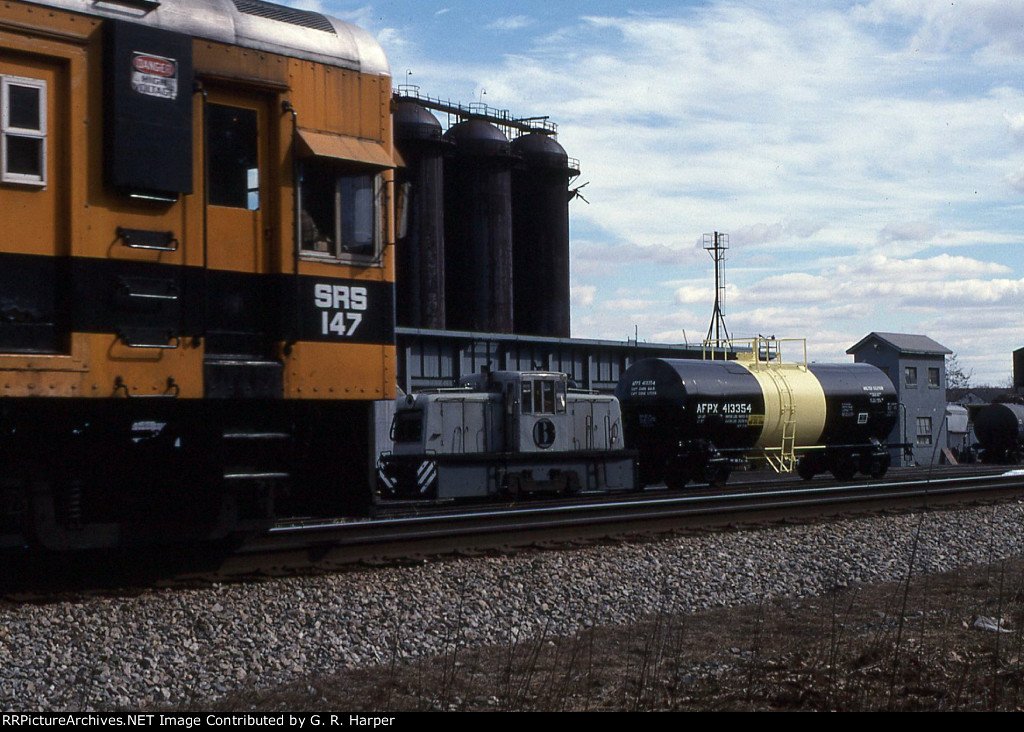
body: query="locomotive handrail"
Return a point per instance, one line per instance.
(172, 391)
(159, 241)
(175, 343)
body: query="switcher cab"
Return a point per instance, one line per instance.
(505, 433)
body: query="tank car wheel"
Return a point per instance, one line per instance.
(878, 467)
(844, 468)
(716, 475)
(806, 469)
(677, 475)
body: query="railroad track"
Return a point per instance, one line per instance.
(331, 544)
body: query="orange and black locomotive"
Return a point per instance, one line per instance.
(196, 267)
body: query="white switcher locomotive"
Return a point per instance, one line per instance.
(505, 434)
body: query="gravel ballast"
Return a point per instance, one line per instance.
(187, 647)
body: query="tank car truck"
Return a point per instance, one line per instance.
(698, 420)
(505, 434)
(196, 275)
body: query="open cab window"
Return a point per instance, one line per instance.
(340, 211)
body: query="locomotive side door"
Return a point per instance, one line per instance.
(241, 217)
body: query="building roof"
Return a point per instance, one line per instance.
(977, 394)
(903, 343)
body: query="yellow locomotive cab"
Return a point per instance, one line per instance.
(197, 237)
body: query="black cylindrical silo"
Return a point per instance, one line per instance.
(478, 228)
(420, 266)
(540, 236)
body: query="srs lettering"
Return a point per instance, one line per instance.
(339, 305)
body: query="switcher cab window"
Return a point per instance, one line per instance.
(543, 396)
(22, 130)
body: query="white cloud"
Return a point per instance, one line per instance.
(867, 160)
(582, 294)
(511, 23)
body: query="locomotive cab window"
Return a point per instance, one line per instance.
(232, 145)
(407, 426)
(340, 211)
(22, 130)
(543, 397)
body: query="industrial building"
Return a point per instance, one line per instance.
(916, 365)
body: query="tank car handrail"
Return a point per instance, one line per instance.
(759, 349)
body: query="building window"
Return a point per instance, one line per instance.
(22, 130)
(924, 431)
(910, 375)
(232, 149)
(933, 377)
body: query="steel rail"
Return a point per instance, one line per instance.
(331, 544)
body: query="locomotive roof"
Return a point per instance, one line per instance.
(251, 24)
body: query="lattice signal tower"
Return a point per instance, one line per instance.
(717, 244)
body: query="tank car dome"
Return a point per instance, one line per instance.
(478, 137)
(541, 150)
(413, 122)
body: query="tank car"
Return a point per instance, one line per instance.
(505, 434)
(196, 276)
(1000, 432)
(698, 420)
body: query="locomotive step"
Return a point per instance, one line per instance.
(256, 436)
(257, 476)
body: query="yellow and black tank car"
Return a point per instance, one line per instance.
(196, 267)
(697, 420)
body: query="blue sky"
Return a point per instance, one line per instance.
(865, 158)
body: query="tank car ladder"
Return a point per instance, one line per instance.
(783, 458)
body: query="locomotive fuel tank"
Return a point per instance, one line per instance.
(699, 419)
(1000, 432)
